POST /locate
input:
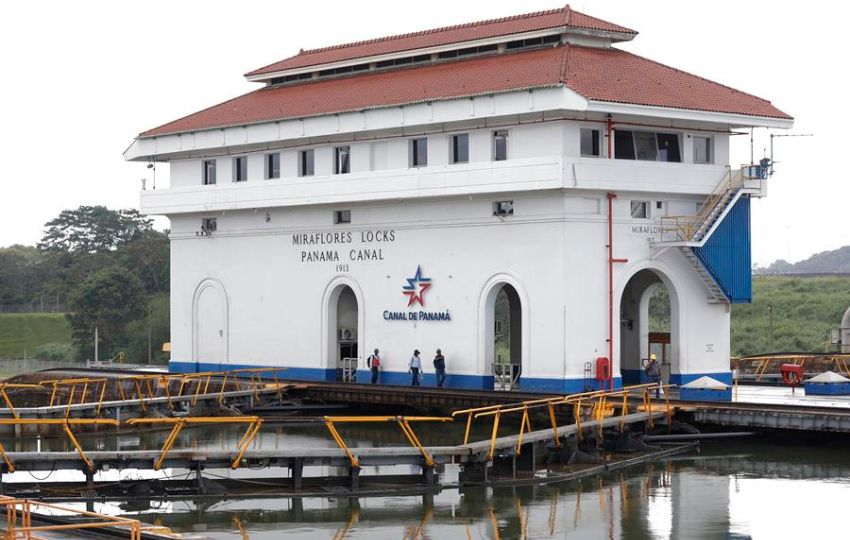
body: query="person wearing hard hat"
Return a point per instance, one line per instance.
(653, 373)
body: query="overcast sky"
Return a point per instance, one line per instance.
(82, 78)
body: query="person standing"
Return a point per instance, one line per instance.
(374, 363)
(653, 373)
(415, 367)
(440, 368)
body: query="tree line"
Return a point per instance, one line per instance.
(109, 267)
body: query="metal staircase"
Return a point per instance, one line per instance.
(688, 232)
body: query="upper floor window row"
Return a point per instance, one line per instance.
(459, 152)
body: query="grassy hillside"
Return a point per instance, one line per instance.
(21, 333)
(806, 309)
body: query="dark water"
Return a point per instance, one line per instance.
(727, 490)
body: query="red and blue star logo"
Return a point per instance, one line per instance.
(416, 287)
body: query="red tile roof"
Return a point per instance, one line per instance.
(528, 22)
(622, 77)
(598, 74)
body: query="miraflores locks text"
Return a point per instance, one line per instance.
(343, 246)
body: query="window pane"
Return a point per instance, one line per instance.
(306, 163)
(460, 148)
(589, 142)
(342, 160)
(702, 150)
(624, 146)
(639, 209)
(500, 145)
(420, 152)
(209, 172)
(645, 146)
(273, 165)
(668, 147)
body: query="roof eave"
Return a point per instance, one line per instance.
(733, 119)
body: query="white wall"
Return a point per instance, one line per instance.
(554, 248)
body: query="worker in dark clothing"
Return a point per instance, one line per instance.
(374, 363)
(440, 368)
(653, 373)
(415, 366)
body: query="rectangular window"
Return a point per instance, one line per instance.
(342, 160)
(342, 216)
(460, 148)
(305, 163)
(702, 150)
(503, 208)
(640, 209)
(668, 147)
(272, 166)
(209, 172)
(624, 144)
(589, 142)
(419, 152)
(500, 145)
(240, 169)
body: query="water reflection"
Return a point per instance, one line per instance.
(701, 496)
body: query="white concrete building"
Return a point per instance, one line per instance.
(388, 194)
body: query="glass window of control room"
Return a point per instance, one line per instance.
(240, 169)
(305, 163)
(272, 165)
(419, 152)
(647, 146)
(209, 172)
(460, 148)
(342, 160)
(702, 149)
(500, 145)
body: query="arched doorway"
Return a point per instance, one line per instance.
(210, 326)
(505, 328)
(649, 312)
(343, 324)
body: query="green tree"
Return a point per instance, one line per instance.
(149, 256)
(109, 299)
(93, 229)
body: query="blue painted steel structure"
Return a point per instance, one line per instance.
(726, 254)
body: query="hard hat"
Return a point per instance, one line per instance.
(652, 356)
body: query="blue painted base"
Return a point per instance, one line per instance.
(680, 379)
(402, 378)
(827, 389)
(704, 394)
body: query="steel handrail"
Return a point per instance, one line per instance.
(254, 425)
(65, 423)
(403, 423)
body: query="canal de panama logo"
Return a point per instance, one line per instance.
(416, 288)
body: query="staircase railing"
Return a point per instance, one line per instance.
(690, 228)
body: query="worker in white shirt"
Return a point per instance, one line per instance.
(415, 367)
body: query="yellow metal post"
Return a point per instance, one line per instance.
(555, 439)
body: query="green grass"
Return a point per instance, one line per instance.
(21, 333)
(806, 309)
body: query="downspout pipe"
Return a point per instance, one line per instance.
(611, 261)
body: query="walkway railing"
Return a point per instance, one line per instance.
(601, 406)
(19, 518)
(93, 390)
(402, 421)
(254, 425)
(65, 423)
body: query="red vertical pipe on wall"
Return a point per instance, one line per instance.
(611, 261)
